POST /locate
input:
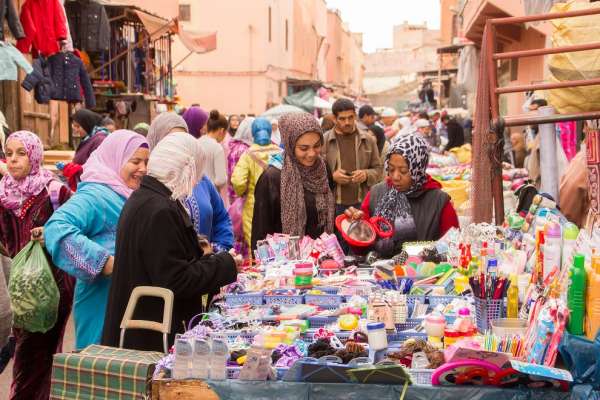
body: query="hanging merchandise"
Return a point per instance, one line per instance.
(68, 45)
(39, 80)
(10, 59)
(69, 76)
(89, 25)
(45, 26)
(9, 12)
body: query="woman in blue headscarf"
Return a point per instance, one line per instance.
(250, 168)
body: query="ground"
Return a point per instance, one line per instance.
(6, 376)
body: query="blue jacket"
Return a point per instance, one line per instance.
(209, 215)
(69, 76)
(80, 236)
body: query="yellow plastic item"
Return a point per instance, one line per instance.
(461, 283)
(574, 66)
(512, 304)
(463, 153)
(592, 307)
(348, 322)
(458, 190)
(241, 360)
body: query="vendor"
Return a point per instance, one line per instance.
(409, 198)
(157, 246)
(295, 198)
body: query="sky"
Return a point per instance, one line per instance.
(376, 18)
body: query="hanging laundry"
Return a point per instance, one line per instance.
(69, 77)
(40, 80)
(45, 27)
(10, 59)
(68, 45)
(89, 24)
(9, 12)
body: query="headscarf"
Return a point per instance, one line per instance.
(178, 163)
(295, 178)
(244, 131)
(87, 119)
(196, 118)
(163, 125)
(142, 128)
(414, 149)
(261, 131)
(104, 165)
(13, 193)
(231, 130)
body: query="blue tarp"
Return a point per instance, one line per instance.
(234, 389)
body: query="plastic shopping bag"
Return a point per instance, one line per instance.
(34, 295)
(235, 213)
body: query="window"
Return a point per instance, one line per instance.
(185, 12)
(286, 35)
(270, 26)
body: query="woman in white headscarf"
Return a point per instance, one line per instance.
(157, 246)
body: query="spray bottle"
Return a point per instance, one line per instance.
(576, 295)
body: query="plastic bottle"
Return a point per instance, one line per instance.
(592, 323)
(183, 359)
(512, 305)
(201, 359)
(552, 248)
(218, 360)
(570, 234)
(492, 265)
(576, 295)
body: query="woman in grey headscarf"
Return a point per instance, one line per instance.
(238, 146)
(164, 124)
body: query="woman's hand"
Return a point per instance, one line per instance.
(108, 267)
(37, 235)
(353, 213)
(239, 261)
(205, 245)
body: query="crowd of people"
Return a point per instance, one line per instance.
(182, 202)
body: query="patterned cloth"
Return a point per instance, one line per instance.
(295, 178)
(414, 149)
(13, 193)
(100, 372)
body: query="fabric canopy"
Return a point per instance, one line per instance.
(156, 26)
(198, 42)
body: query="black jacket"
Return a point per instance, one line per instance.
(9, 12)
(157, 246)
(89, 24)
(267, 207)
(69, 76)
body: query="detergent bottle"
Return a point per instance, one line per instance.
(570, 234)
(512, 301)
(592, 321)
(576, 295)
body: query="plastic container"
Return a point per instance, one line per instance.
(435, 325)
(576, 295)
(464, 321)
(512, 298)
(377, 336)
(239, 299)
(183, 359)
(570, 234)
(486, 311)
(509, 326)
(201, 360)
(218, 360)
(303, 274)
(593, 300)
(552, 248)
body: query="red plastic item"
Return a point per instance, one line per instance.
(375, 224)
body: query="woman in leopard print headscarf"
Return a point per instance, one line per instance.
(409, 198)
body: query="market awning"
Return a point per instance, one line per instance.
(156, 26)
(198, 42)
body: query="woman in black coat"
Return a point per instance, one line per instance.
(158, 246)
(295, 197)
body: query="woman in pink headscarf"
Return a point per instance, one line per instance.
(29, 195)
(81, 235)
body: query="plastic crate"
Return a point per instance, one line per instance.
(486, 311)
(421, 376)
(410, 323)
(404, 336)
(284, 299)
(246, 336)
(321, 322)
(412, 298)
(434, 301)
(327, 301)
(234, 372)
(327, 289)
(342, 335)
(240, 299)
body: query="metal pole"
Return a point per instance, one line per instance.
(547, 86)
(544, 17)
(522, 120)
(543, 52)
(548, 162)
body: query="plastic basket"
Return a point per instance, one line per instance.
(328, 301)
(434, 301)
(234, 372)
(240, 299)
(410, 323)
(284, 299)
(404, 336)
(412, 298)
(246, 336)
(486, 311)
(342, 335)
(327, 289)
(321, 322)
(421, 376)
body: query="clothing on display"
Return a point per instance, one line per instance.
(69, 76)
(9, 12)
(10, 59)
(89, 24)
(39, 80)
(45, 25)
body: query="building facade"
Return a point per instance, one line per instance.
(261, 46)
